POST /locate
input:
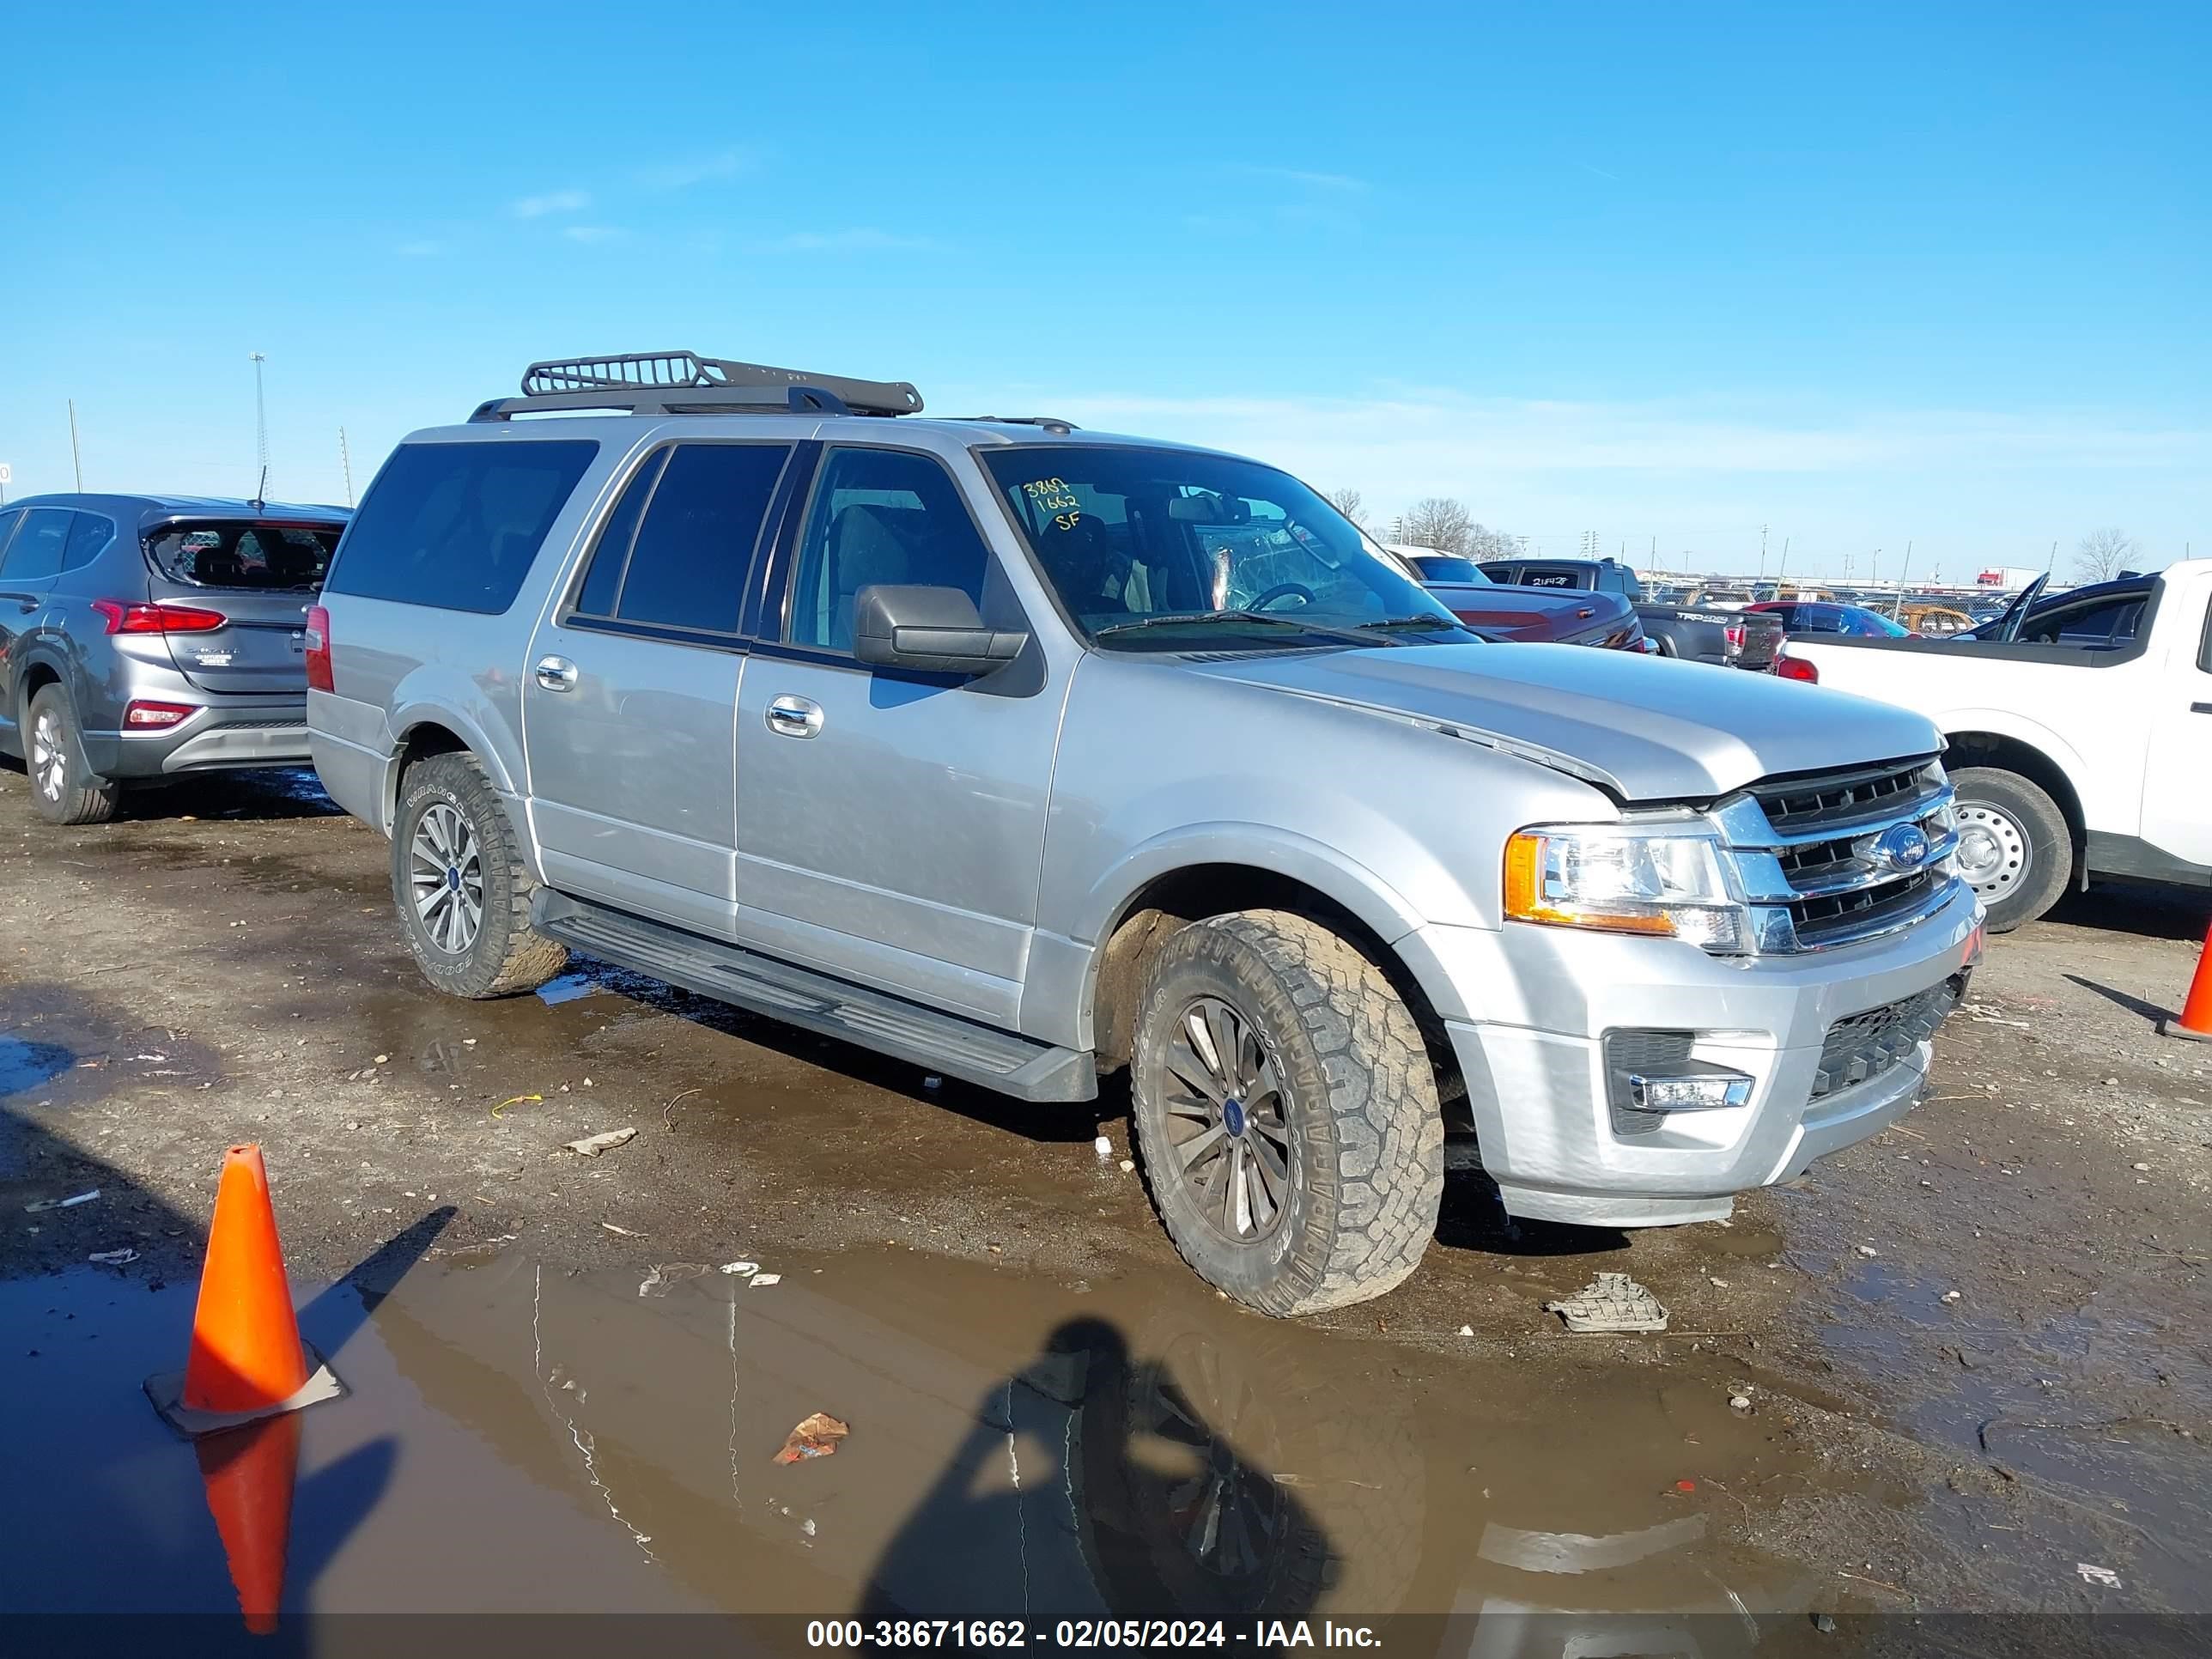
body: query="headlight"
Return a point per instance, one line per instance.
(1621, 880)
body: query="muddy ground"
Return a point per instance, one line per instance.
(1973, 1353)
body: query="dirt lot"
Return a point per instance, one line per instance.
(1973, 1353)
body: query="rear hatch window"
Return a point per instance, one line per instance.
(259, 577)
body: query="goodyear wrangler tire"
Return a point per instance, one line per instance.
(1286, 1114)
(461, 886)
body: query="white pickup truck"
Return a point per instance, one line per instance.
(2080, 733)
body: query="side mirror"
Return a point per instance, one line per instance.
(930, 630)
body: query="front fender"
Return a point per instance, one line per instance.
(2021, 728)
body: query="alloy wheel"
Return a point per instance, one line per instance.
(1229, 1133)
(445, 875)
(49, 766)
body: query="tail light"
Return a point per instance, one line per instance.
(1734, 631)
(1796, 668)
(141, 715)
(123, 616)
(317, 647)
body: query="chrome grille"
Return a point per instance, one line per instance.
(1810, 850)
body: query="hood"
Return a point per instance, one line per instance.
(1645, 728)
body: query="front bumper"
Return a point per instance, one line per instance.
(218, 737)
(1529, 1011)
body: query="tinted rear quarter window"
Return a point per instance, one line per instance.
(456, 526)
(90, 533)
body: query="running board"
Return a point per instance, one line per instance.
(889, 1025)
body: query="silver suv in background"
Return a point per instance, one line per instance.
(145, 636)
(1031, 755)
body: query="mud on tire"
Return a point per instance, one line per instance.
(476, 939)
(1343, 1113)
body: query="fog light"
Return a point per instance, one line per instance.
(1702, 1091)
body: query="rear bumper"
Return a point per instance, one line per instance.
(225, 736)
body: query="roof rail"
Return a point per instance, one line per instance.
(684, 383)
(1049, 422)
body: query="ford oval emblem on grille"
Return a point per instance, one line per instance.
(1902, 846)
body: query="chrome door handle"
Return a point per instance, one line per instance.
(794, 717)
(556, 673)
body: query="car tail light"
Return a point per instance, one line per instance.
(318, 649)
(124, 617)
(1796, 668)
(144, 716)
(1734, 631)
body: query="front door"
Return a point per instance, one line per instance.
(890, 826)
(630, 693)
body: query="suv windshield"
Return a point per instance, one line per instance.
(1158, 548)
(290, 557)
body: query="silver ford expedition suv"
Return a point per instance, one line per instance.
(1029, 755)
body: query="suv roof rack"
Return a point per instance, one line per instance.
(684, 383)
(1049, 422)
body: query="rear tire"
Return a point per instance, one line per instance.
(64, 789)
(2015, 848)
(1320, 1188)
(461, 886)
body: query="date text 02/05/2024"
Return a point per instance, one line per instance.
(1084, 1633)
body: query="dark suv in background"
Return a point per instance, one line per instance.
(144, 636)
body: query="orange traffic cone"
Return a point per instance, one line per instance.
(247, 1361)
(249, 1474)
(2196, 1021)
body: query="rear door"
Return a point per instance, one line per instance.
(32, 560)
(260, 576)
(629, 708)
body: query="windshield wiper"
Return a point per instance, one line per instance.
(1424, 620)
(1187, 619)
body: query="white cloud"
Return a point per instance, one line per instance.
(593, 233)
(553, 201)
(860, 239)
(1340, 182)
(698, 170)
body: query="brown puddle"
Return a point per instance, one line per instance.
(521, 1437)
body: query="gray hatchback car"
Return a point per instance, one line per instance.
(146, 636)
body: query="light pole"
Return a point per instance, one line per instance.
(260, 428)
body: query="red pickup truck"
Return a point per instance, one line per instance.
(1525, 615)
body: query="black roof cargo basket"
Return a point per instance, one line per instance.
(684, 383)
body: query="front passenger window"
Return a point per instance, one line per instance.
(886, 516)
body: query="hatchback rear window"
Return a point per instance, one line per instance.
(286, 558)
(456, 527)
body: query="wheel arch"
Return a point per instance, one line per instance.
(2005, 752)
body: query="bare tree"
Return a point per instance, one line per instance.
(2103, 554)
(1484, 544)
(1439, 522)
(1347, 501)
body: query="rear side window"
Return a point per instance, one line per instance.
(36, 555)
(456, 527)
(676, 548)
(286, 558)
(90, 533)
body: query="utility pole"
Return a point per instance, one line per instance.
(77, 458)
(1897, 605)
(1783, 566)
(345, 465)
(260, 428)
(1762, 552)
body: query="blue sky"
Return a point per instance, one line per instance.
(1864, 275)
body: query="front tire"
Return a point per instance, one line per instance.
(2015, 848)
(64, 789)
(1286, 1114)
(461, 886)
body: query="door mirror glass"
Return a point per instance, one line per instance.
(931, 630)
